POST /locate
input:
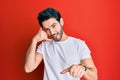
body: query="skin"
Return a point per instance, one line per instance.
(53, 29)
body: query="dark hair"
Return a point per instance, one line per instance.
(47, 14)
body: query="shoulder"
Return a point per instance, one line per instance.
(77, 40)
(47, 43)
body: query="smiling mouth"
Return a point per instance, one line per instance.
(55, 34)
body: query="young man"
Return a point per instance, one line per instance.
(65, 57)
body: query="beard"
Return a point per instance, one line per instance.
(57, 36)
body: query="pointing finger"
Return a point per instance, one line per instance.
(65, 71)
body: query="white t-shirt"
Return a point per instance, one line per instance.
(61, 55)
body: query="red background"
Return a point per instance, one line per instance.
(95, 21)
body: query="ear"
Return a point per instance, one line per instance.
(61, 21)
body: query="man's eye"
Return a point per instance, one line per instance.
(46, 29)
(53, 26)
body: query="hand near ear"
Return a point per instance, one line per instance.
(40, 36)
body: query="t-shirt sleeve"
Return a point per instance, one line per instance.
(84, 51)
(40, 48)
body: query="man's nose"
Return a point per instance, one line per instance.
(51, 32)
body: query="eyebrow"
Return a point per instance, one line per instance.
(52, 24)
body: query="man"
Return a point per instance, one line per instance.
(65, 57)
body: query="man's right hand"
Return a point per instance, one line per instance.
(40, 36)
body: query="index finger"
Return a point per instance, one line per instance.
(40, 30)
(65, 70)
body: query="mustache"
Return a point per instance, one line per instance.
(53, 34)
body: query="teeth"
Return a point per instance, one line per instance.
(55, 35)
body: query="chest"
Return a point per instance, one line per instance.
(62, 55)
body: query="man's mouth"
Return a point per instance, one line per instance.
(54, 35)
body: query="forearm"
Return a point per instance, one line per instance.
(91, 74)
(30, 57)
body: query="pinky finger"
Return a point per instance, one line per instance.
(82, 73)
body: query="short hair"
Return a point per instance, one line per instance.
(47, 14)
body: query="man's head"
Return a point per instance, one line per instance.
(50, 20)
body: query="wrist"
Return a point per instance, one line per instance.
(84, 67)
(34, 41)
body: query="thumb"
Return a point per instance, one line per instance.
(65, 71)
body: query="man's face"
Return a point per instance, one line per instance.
(53, 28)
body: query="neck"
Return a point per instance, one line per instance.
(64, 37)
